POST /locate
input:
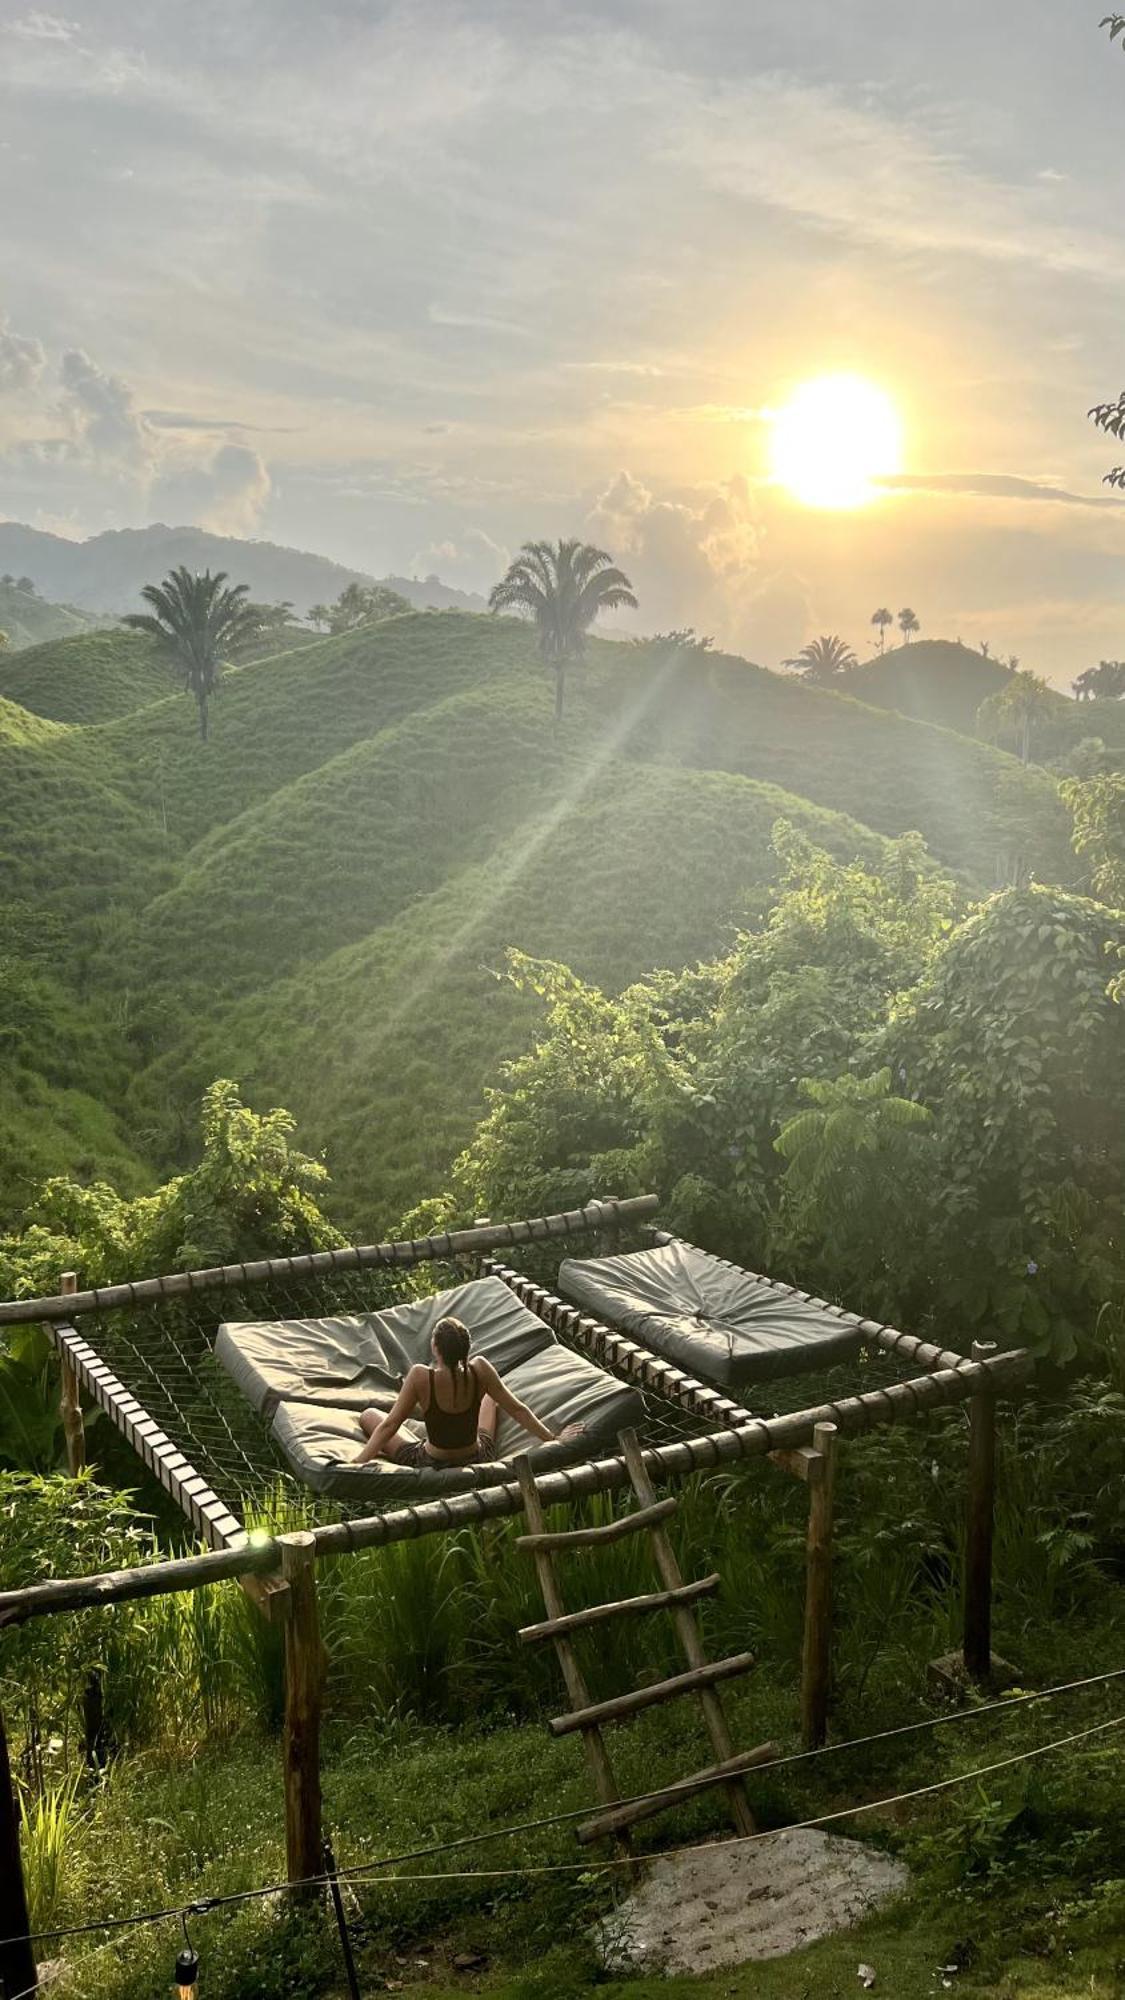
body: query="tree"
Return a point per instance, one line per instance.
(562, 587)
(360, 604)
(198, 621)
(1018, 714)
(3, 640)
(908, 623)
(272, 617)
(320, 616)
(882, 618)
(1098, 807)
(1106, 682)
(822, 659)
(25, 584)
(684, 639)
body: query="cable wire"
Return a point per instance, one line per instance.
(204, 1905)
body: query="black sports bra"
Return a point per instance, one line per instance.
(453, 1430)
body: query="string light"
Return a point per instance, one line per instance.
(187, 1967)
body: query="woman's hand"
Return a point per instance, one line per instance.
(572, 1431)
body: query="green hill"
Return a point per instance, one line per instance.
(90, 679)
(29, 619)
(933, 680)
(941, 681)
(318, 901)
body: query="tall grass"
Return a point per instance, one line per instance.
(51, 1819)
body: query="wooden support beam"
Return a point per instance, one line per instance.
(805, 1463)
(208, 1515)
(687, 1631)
(697, 1680)
(17, 1961)
(1007, 1374)
(980, 1501)
(269, 1595)
(622, 1607)
(816, 1652)
(326, 1263)
(597, 1756)
(657, 1802)
(599, 1538)
(74, 1429)
(304, 1694)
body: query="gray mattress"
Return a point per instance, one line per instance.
(709, 1317)
(310, 1378)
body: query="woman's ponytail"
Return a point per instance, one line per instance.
(453, 1340)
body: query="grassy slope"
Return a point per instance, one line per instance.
(938, 680)
(935, 680)
(383, 1047)
(890, 771)
(91, 679)
(1012, 1875)
(318, 899)
(30, 620)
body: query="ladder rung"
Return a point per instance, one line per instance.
(647, 1697)
(596, 1614)
(592, 1538)
(619, 1817)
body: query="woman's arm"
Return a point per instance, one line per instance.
(506, 1401)
(407, 1400)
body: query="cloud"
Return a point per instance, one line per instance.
(226, 494)
(22, 361)
(108, 422)
(473, 561)
(476, 322)
(807, 150)
(995, 486)
(40, 27)
(694, 557)
(645, 369)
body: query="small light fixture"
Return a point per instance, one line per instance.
(187, 1967)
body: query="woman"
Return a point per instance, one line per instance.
(459, 1402)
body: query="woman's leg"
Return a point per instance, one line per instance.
(369, 1421)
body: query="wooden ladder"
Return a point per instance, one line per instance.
(700, 1679)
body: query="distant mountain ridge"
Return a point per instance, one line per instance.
(106, 573)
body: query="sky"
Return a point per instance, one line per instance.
(408, 285)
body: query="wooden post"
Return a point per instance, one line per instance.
(480, 1222)
(17, 1961)
(74, 1429)
(816, 1652)
(304, 1689)
(979, 1509)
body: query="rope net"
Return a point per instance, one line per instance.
(163, 1355)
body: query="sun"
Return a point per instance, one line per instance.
(833, 439)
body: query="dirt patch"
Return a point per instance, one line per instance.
(722, 1905)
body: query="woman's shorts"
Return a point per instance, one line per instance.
(417, 1455)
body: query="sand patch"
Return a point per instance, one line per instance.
(722, 1905)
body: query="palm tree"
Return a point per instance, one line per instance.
(562, 587)
(197, 622)
(908, 624)
(882, 618)
(822, 659)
